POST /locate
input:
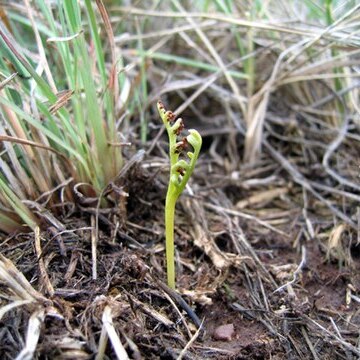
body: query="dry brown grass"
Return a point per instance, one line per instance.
(268, 231)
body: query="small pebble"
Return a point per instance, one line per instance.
(224, 332)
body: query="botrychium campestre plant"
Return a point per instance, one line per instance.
(182, 164)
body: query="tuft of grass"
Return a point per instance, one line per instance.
(58, 105)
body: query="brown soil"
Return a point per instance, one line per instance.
(238, 279)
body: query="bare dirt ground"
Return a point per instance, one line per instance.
(249, 256)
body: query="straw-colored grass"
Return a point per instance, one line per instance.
(270, 216)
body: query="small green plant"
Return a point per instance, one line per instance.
(182, 164)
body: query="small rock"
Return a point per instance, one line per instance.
(224, 332)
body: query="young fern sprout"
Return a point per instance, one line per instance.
(180, 172)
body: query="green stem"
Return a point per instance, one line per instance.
(180, 171)
(169, 235)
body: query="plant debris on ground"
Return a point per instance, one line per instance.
(267, 231)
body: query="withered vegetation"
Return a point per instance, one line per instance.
(268, 230)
